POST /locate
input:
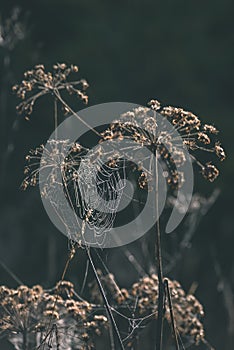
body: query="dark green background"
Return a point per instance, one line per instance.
(180, 52)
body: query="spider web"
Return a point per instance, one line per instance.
(98, 191)
(91, 185)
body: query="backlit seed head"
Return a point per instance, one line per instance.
(210, 172)
(220, 151)
(210, 128)
(202, 137)
(38, 82)
(154, 104)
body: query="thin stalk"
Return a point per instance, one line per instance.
(11, 273)
(107, 305)
(173, 324)
(57, 94)
(158, 253)
(112, 341)
(56, 117)
(25, 340)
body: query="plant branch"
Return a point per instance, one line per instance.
(168, 293)
(159, 332)
(107, 305)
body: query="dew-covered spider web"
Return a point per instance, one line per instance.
(97, 191)
(76, 178)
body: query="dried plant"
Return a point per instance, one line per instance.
(153, 297)
(142, 298)
(26, 313)
(38, 83)
(140, 125)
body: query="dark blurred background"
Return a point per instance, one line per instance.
(180, 52)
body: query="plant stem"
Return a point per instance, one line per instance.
(25, 340)
(107, 305)
(171, 312)
(57, 94)
(158, 253)
(56, 117)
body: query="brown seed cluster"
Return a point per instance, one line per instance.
(38, 82)
(143, 296)
(35, 312)
(146, 128)
(210, 172)
(59, 156)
